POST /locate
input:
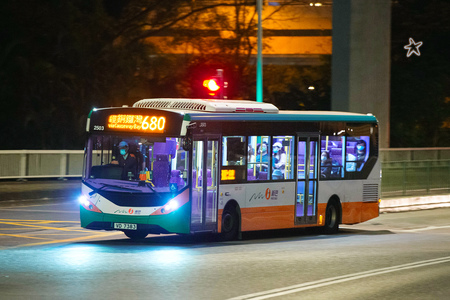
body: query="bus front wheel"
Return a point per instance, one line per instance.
(135, 234)
(331, 218)
(230, 223)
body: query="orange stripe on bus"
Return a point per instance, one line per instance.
(281, 217)
(263, 218)
(356, 212)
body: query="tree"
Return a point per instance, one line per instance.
(299, 87)
(59, 59)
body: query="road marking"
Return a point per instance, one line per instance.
(33, 205)
(67, 240)
(339, 279)
(22, 236)
(47, 221)
(46, 211)
(424, 228)
(62, 233)
(40, 227)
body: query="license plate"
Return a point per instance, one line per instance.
(125, 226)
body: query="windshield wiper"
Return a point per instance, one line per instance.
(151, 187)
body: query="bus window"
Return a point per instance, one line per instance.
(137, 158)
(360, 146)
(331, 157)
(282, 157)
(357, 153)
(233, 151)
(258, 162)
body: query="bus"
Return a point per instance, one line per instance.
(188, 166)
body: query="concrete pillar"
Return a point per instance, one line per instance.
(361, 59)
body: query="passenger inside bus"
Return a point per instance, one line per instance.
(356, 161)
(326, 163)
(126, 160)
(251, 153)
(279, 161)
(263, 157)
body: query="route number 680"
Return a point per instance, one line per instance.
(154, 124)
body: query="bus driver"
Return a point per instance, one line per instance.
(126, 160)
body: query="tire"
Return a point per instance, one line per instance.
(332, 214)
(230, 224)
(135, 234)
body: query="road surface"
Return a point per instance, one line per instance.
(46, 255)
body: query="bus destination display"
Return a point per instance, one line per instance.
(137, 123)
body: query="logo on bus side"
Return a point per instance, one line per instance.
(271, 194)
(130, 211)
(256, 196)
(268, 195)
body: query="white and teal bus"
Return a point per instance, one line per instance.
(192, 165)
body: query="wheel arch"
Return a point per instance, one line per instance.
(232, 203)
(335, 198)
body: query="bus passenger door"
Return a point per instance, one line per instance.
(307, 180)
(204, 184)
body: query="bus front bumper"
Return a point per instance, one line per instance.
(175, 222)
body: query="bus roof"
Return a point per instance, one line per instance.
(208, 105)
(305, 116)
(245, 110)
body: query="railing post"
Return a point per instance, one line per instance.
(448, 177)
(23, 165)
(63, 165)
(404, 178)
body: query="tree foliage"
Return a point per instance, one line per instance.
(59, 59)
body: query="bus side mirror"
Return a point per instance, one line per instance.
(186, 143)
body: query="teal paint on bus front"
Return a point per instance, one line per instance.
(174, 222)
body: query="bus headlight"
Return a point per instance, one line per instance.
(172, 205)
(88, 205)
(83, 200)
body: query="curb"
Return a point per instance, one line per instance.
(414, 203)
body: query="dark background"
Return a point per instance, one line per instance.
(60, 59)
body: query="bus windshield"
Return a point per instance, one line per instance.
(136, 164)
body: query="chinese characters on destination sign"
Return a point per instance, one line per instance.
(137, 122)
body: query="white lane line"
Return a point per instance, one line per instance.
(339, 279)
(423, 229)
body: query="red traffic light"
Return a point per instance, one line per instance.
(211, 85)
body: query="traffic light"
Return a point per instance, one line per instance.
(215, 85)
(212, 86)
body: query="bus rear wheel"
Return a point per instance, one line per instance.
(230, 224)
(135, 234)
(331, 218)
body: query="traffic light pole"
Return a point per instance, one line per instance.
(259, 65)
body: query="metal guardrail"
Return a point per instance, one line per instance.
(411, 154)
(404, 177)
(23, 164)
(423, 177)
